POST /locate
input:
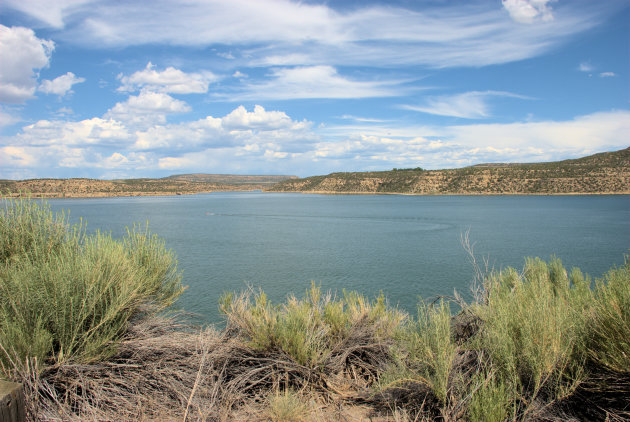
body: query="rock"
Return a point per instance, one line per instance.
(12, 404)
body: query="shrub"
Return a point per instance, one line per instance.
(68, 296)
(425, 351)
(310, 330)
(609, 327)
(533, 328)
(490, 398)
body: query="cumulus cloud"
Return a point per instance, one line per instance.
(240, 118)
(23, 55)
(259, 140)
(468, 105)
(146, 109)
(239, 127)
(94, 131)
(125, 146)
(528, 11)
(314, 82)
(17, 156)
(607, 74)
(61, 85)
(170, 80)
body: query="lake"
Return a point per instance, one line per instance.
(404, 246)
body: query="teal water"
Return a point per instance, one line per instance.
(404, 246)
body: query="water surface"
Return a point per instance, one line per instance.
(404, 246)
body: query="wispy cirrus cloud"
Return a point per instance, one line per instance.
(299, 33)
(313, 82)
(53, 13)
(361, 119)
(467, 105)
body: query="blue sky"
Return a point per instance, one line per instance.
(112, 89)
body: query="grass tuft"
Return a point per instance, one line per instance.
(287, 406)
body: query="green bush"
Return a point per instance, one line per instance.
(608, 339)
(425, 351)
(533, 327)
(68, 296)
(490, 398)
(528, 344)
(308, 329)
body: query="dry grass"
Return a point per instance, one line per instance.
(165, 370)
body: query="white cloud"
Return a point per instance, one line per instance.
(61, 85)
(15, 156)
(120, 148)
(240, 118)
(49, 12)
(271, 141)
(468, 105)
(170, 80)
(584, 134)
(607, 74)
(361, 119)
(528, 11)
(228, 55)
(23, 54)
(454, 146)
(94, 131)
(239, 127)
(314, 82)
(285, 32)
(586, 67)
(8, 118)
(147, 109)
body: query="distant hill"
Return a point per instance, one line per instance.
(183, 184)
(607, 172)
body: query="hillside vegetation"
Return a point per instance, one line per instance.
(80, 326)
(607, 172)
(231, 179)
(184, 184)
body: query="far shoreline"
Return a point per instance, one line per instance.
(98, 195)
(459, 193)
